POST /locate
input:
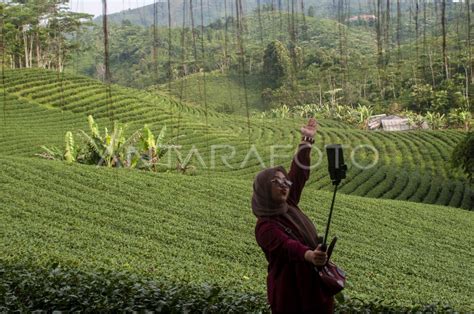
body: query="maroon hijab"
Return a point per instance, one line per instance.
(263, 205)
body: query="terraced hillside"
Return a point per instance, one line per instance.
(41, 106)
(199, 229)
(230, 101)
(149, 223)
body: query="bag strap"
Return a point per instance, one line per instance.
(288, 230)
(331, 247)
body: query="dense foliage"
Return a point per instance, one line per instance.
(56, 288)
(38, 33)
(392, 65)
(463, 155)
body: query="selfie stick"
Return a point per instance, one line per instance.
(337, 172)
(329, 219)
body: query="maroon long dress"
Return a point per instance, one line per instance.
(292, 283)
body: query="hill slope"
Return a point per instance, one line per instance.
(201, 230)
(411, 166)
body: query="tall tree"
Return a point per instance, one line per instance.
(36, 30)
(417, 28)
(424, 26)
(108, 79)
(259, 15)
(2, 47)
(443, 30)
(470, 61)
(399, 26)
(378, 29)
(276, 64)
(170, 46)
(388, 41)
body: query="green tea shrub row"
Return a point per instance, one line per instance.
(56, 288)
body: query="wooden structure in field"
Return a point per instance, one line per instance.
(389, 123)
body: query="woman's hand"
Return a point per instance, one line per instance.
(316, 257)
(310, 129)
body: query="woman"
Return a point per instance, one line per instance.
(288, 237)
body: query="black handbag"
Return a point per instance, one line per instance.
(332, 276)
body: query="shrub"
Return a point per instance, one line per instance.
(27, 288)
(463, 155)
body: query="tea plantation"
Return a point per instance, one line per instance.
(86, 237)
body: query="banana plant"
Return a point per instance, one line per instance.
(364, 112)
(280, 112)
(414, 119)
(184, 166)
(51, 153)
(153, 149)
(466, 119)
(304, 111)
(111, 149)
(333, 94)
(327, 111)
(460, 118)
(70, 153)
(435, 120)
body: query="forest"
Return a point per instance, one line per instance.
(413, 55)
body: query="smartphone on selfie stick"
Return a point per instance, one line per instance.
(337, 172)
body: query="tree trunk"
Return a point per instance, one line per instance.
(417, 28)
(379, 35)
(170, 74)
(155, 42)
(108, 91)
(388, 42)
(31, 51)
(25, 44)
(320, 96)
(430, 55)
(399, 14)
(340, 19)
(443, 28)
(304, 19)
(424, 26)
(193, 32)
(242, 61)
(106, 41)
(281, 16)
(226, 34)
(259, 14)
(470, 61)
(39, 63)
(467, 83)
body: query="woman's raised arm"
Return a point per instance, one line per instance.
(300, 165)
